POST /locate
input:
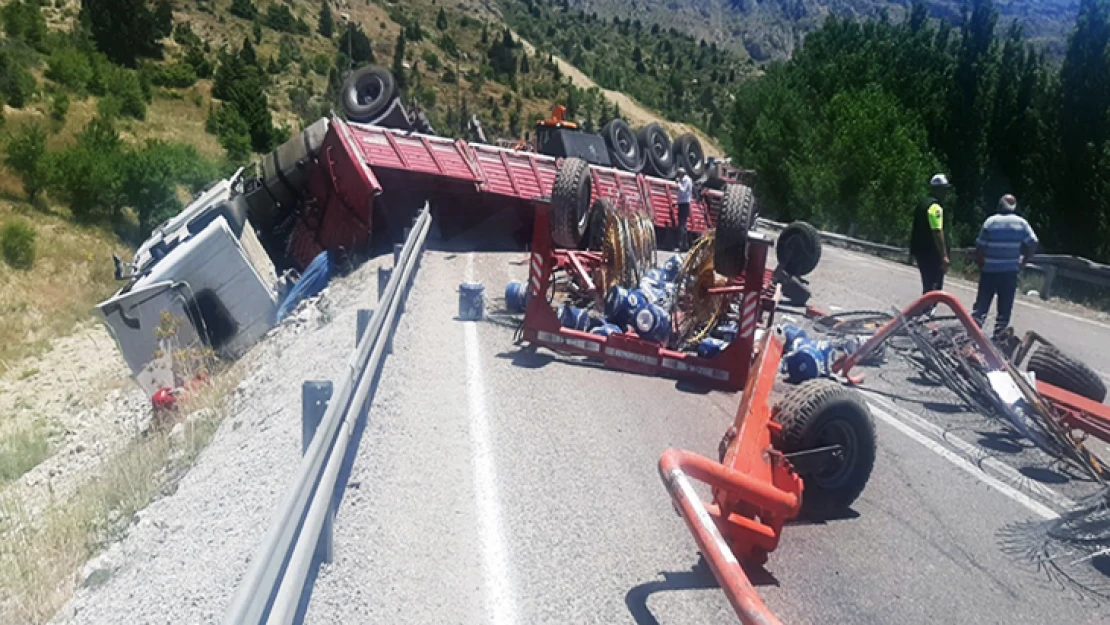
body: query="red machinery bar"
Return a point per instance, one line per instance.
(755, 491)
(519, 175)
(628, 352)
(1078, 412)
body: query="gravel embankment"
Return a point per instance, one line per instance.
(184, 555)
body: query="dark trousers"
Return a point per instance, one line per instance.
(932, 275)
(683, 216)
(1004, 285)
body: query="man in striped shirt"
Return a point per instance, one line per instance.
(1005, 243)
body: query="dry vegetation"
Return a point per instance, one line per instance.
(41, 554)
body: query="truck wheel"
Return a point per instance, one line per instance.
(798, 249)
(818, 413)
(367, 93)
(599, 215)
(730, 245)
(1058, 369)
(570, 198)
(624, 150)
(657, 143)
(688, 154)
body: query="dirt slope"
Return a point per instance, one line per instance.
(636, 114)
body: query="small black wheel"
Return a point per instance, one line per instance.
(624, 149)
(657, 144)
(819, 413)
(1058, 369)
(689, 155)
(599, 214)
(367, 93)
(570, 199)
(798, 249)
(730, 247)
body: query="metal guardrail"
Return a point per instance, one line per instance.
(1050, 266)
(271, 590)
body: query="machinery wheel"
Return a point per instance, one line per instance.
(624, 149)
(367, 93)
(795, 291)
(730, 249)
(798, 249)
(1058, 369)
(599, 216)
(570, 199)
(818, 413)
(689, 155)
(657, 143)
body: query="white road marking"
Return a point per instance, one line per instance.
(963, 464)
(500, 600)
(973, 453)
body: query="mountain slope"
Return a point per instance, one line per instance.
(768, 29)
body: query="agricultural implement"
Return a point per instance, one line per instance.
(986, 375)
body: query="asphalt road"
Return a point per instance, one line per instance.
(495, 486)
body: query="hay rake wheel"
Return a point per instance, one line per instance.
(696, 311)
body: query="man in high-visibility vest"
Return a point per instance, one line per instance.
(927, 245)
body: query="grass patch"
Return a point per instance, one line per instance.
(22, 450)
(72, 272)
(40, 557)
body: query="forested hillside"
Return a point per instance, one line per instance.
(847, 132)
(772, 29)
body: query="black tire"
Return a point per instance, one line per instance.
(798, 249)
(795, 291)
(570, 199)
(367, 93)
(660, 158)
(689, 155)
(599, 214)
(818, 413)
(1058, 369)
(730, 247)
(624, 149)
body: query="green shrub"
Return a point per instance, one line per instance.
(196, 59)
(321, 63)
(17, 243)
(23, 20)
(87, 176)
(24, 155)
(69, 67)
(184, 35)
(109, 107)
(244, 9)
(60, 107)
(151, 175)
(16, 83)
(431, 60)
(174, 75)
(281, 19)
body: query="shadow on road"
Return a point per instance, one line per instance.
(700, 577)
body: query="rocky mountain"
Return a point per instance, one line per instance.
(769, 29)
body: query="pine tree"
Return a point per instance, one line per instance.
(256, 28)
(326, 26)
(163, 18)
(122, 29)
(247, 54)
(441, 19)
(524, 67)
(399, 61)
(244, 9)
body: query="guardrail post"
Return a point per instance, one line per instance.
(397, 247)
(384, 274)
(315, 396)
(364, 315)
(1049, 277)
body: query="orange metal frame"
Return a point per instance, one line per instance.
(626, 352)
(1078, 412)
(755, 490)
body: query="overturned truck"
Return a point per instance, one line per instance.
(219, 271)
